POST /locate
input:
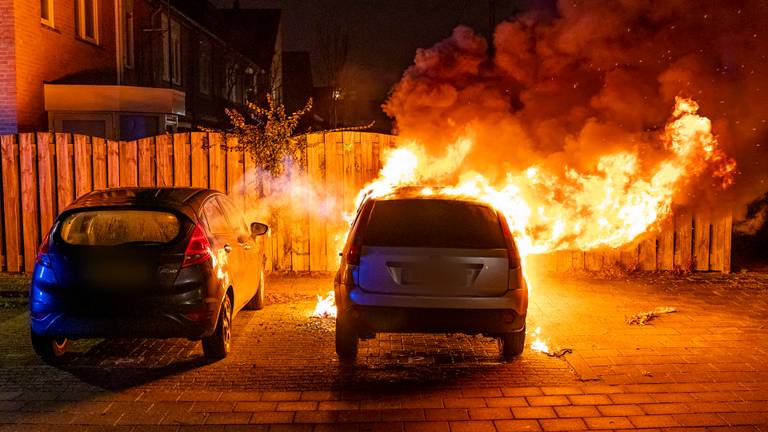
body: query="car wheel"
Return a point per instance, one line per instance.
(218, 344)
(49, 348)
(257, 302)
(346, 339)
(512, 344)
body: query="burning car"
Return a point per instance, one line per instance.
(146, 262)
(416, 262)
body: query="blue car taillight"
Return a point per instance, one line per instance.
(43, 276)
(43, 258)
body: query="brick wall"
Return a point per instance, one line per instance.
(45, 54)
(7, 70)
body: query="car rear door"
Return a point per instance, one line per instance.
(223, 238)
(433, 247)
(246, 258)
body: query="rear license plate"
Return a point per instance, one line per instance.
(433, 276)
(116, 275)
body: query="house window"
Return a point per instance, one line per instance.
(176, 52)
(46, 12)
(127, 36)
(87, 20)
(205, 67)
(249, 86)
(171, 47)
(231, 78)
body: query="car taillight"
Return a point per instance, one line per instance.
(198, 249)
(42, 253)
(512, 256)
(355, 247)
(353, 254)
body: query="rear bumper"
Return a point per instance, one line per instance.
(372, 313)
(375, 319)
(68, 313)
(151, 325)
(516, 300)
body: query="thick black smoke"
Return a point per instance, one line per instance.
(594, 78)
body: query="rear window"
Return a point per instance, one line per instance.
(119, 227)
(433, 223)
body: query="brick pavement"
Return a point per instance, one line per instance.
(701, 368)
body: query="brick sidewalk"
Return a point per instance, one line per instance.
(701, 368)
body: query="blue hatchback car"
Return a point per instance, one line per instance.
(146, 262)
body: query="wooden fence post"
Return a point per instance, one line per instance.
(46, 170)
(113, 164)
(316, 198)
(99, 163)
(11, 202)
(701, 230)
(217, 174)
(64, 175)
(83, 165)
(164, 161)
(30, 224)
(181, 159)
(199, 159)
(146, 165)
(683, 240)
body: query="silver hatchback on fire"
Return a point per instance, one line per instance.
(429, 264)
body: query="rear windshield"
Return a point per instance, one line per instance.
(433, 223)
(119, 227)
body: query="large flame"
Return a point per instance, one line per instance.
(609, 206)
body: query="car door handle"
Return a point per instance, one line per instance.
(227, 248)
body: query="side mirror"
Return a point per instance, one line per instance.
(258, 228)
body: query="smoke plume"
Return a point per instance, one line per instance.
(595, 78)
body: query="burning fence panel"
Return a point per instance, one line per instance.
(701, 243)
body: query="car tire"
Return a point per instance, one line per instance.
(218, 344)
(512, 344)
(48, 347)
(346, 339)
(257, 302)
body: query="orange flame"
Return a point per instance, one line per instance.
(608, 206)
(325, 306)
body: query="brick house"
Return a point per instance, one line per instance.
(125, 69)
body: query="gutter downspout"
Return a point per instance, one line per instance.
(118, 45)
(171, 64)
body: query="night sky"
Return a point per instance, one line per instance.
(383, 34)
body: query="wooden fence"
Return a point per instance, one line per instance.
(699, 241)
(42, 173)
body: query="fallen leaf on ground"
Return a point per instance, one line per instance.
(642, 318)
(559, 353)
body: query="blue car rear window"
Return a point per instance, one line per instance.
(119, 227)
